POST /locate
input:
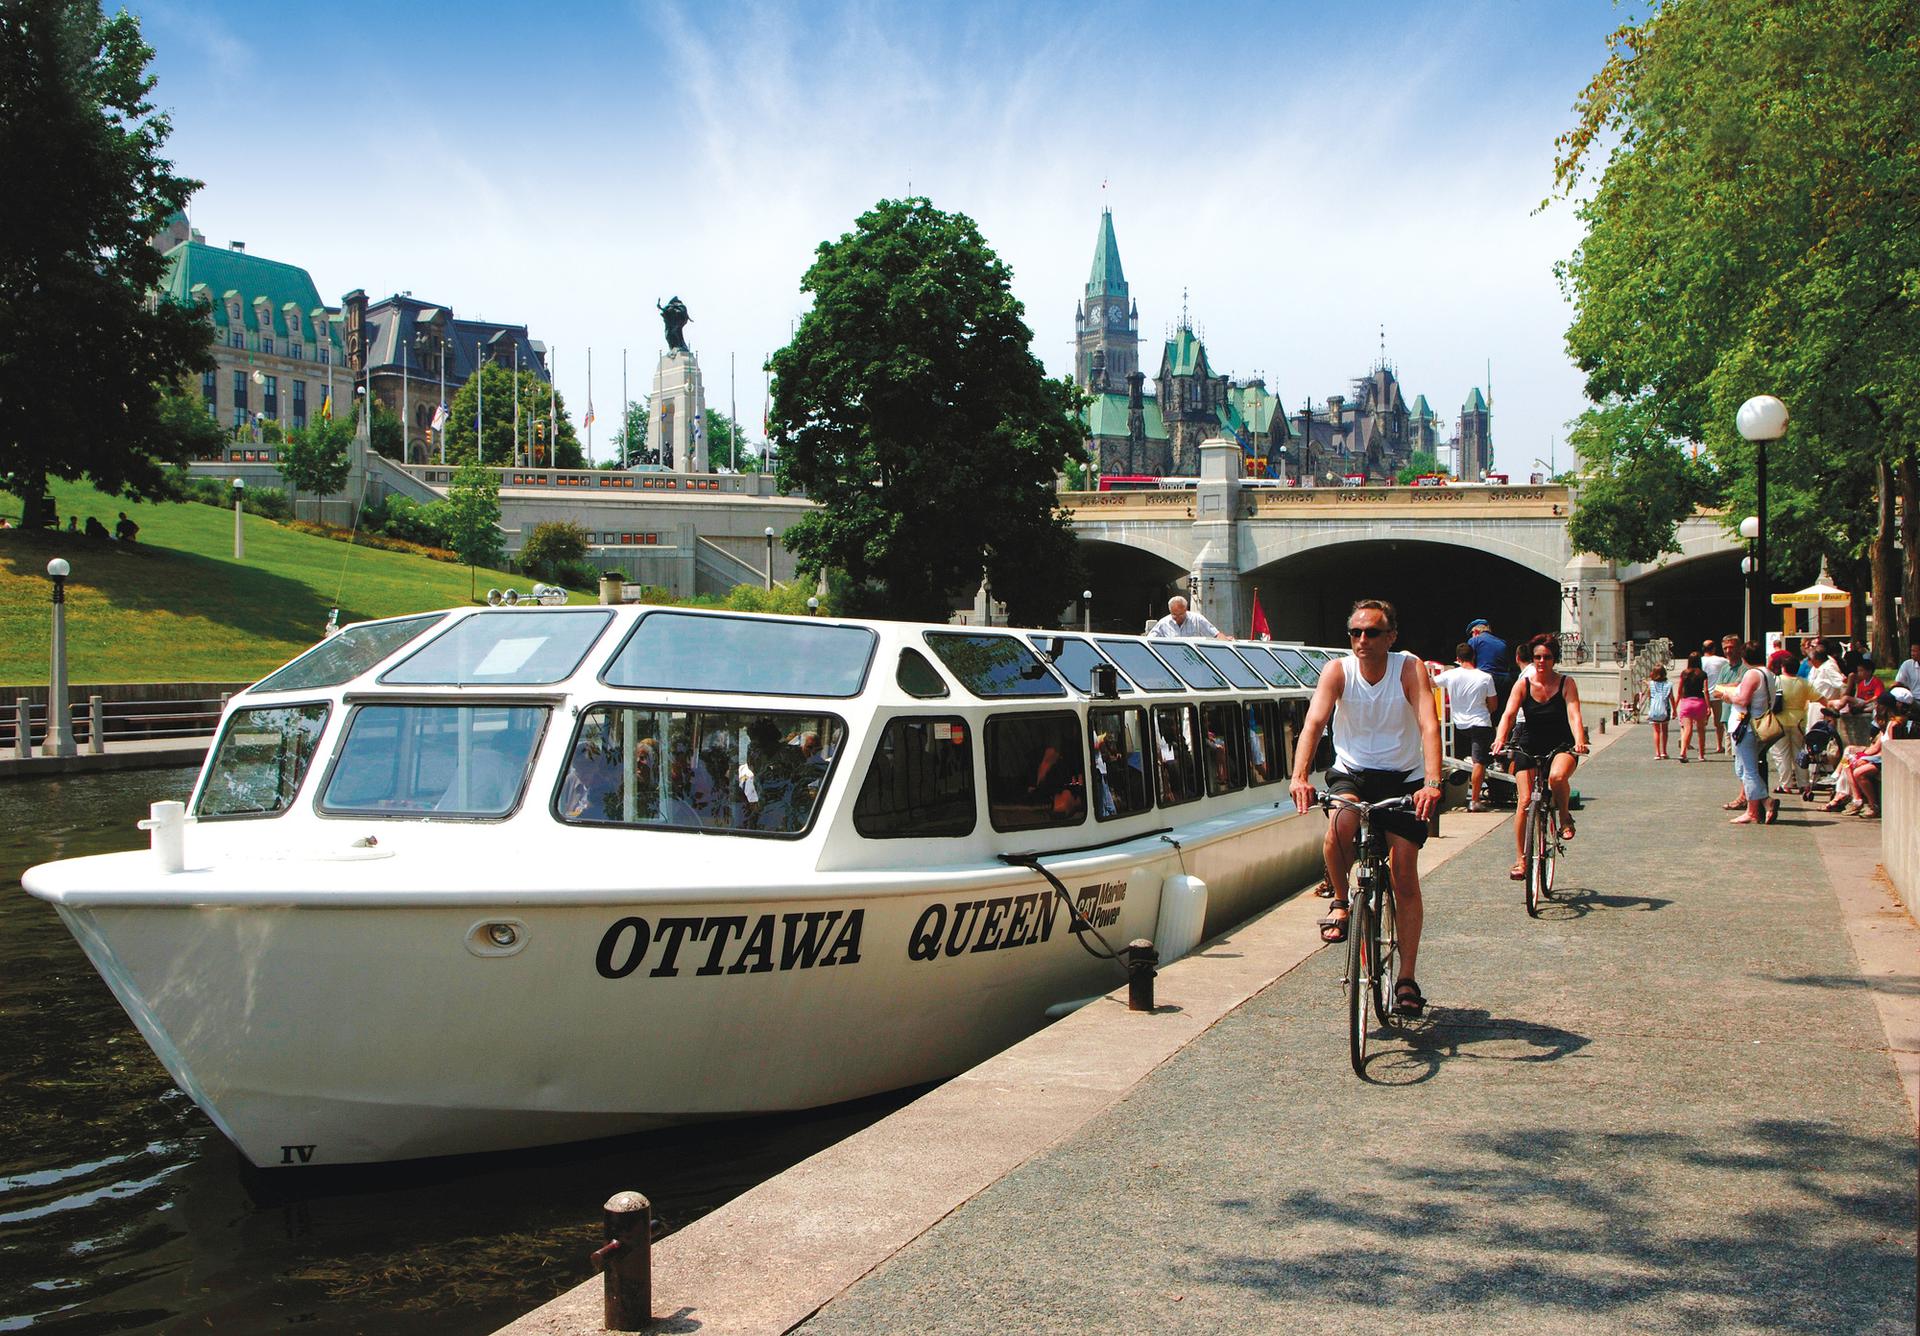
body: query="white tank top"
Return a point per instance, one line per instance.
(1374, 726)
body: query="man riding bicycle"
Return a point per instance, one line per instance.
(1386, 744)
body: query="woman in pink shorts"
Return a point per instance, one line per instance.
(1693, 707)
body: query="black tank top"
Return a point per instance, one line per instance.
(1547, 726)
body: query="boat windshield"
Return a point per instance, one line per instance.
(678, 651)
(503, 648)
(753, 772)
(1231, 666)
(1077, 660)
(450, 760)
(1138, 663)
(993, 666)
(347, 655)
(262, 758)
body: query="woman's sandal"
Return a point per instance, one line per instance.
(1566, 827)
(1334, 929)
(1407, 998)
(1738, 805)
(1518, 872)
(1837, 805)
(1773, 812)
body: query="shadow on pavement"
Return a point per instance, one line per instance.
(1899, 985)
(1579, 902)
(1413, 1053)
(1813, 1230)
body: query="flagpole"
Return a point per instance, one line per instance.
(516, 404)
(553, 399)
(589, 402)
(733, 414)
(626, 414)
(479, 404)
(441, 411)
(406, 450)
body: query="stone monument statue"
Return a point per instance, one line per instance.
(677, 421)
(674, 316)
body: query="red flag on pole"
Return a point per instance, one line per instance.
(1260, 631)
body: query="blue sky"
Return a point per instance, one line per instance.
(1304, 172)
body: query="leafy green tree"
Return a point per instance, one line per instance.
(1419, 463)
(553, 549)
(1638, 483)
(472, 518)
(184, 417)
(85, 363)
(318, 457)
(385, 436)
(1752, 233)
(910, 405)
(630, 441)
(494, 387)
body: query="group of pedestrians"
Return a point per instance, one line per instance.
(1778, 714)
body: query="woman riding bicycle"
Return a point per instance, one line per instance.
(1549, 703)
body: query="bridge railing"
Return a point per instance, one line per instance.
(96, 722)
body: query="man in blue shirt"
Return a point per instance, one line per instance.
(1491, 656)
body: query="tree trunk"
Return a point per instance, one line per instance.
(1885, 568)
(1907, 474)
(36, 507)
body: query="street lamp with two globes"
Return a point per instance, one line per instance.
(1761, 419)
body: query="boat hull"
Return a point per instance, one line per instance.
(328, 1034)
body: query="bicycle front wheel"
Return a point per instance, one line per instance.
(1536, 856)
(1359, 978)
(1386, 949)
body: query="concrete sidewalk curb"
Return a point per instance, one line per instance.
(775, 1255)
(1884, 937)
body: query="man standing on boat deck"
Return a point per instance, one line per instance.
(1182, 624)
(1386, 743)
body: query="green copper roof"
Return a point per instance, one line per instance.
(193, 264)
(1107, 416)
(1259, 408)
(1184, 355)
(1421, 409)
(1474, 403)
(1106, 277)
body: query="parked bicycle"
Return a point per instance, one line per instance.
(1373, 945)
(1540, 854)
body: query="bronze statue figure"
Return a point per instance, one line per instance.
(674, 316)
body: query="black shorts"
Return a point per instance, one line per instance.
(1372, 786)
(1524, 758)
(1474, 740)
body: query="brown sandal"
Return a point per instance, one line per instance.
(1333, 929)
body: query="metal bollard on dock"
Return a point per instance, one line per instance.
(626, 1261)
(1141, 959)
(96, 725)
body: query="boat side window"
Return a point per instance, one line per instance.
(920, 782)
(1269, 666)
(448, 760)
(993, 667)
(1185, 660)
(742, 771)
(344, 657)
(1117, 740)
(261, 760)
(754, 656)
(1036, 771)
(917, 677)
(1077, 660)
(1225, 735)
(1176, 745)
(1266, 756)
(1231, 666)
(517, 647)
(1137, 661)
(1297, 663)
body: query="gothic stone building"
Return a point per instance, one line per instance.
(1372, 432)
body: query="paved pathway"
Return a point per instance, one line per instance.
(1666, 1106)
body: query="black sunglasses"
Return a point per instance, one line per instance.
(1366, 632)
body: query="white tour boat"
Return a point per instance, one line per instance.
(506, 877)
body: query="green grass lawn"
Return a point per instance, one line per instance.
(176, 607)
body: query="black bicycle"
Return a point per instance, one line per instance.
(1542, 844)
(1373, 942)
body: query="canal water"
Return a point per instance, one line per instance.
(123, 1210)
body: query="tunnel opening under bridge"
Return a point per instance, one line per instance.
(1435, 588)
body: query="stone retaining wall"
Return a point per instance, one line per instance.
(1900, 817)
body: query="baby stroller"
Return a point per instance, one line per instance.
(1827, 741)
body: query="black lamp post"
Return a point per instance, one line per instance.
(1761, 419)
